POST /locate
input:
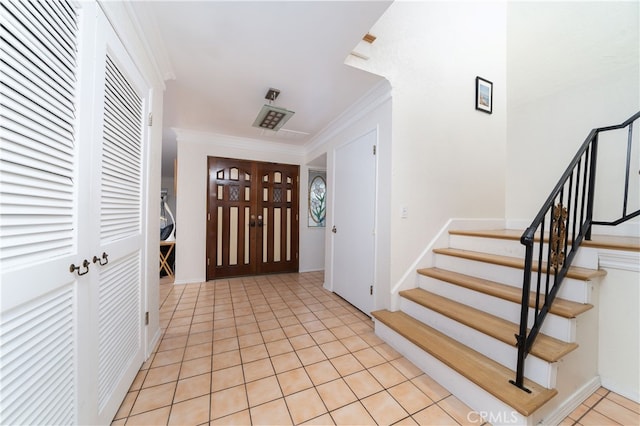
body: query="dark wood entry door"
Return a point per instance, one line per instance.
(252, 225)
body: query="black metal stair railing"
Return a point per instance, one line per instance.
(552, 240)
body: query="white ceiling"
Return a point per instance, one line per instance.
(221, 57)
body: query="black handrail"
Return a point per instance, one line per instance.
(564, 221)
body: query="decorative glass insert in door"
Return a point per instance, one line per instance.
(317, 198)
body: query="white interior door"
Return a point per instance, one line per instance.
(118, 187)
(354, 188)
(71, 187)
(39, 217)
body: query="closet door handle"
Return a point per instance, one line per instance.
(252, 221)
(73, 268)
(99, 260)
(260, 220)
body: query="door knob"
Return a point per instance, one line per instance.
(252, 221)
(334, 229)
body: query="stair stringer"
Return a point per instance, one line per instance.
(481, 402)
(536, 369)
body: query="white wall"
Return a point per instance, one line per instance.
(619, 344)
(572, 66)
(372, 112)
(448, 159)
(312, 238)
(191, 208)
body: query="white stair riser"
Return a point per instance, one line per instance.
(536, 369)
(466, 391)
(572, 289)
(585, 257)
(555, 326)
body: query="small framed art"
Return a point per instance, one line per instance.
(484, 95)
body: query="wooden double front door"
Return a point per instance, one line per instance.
(252, 218)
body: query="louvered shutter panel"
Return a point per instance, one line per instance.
(38, 220)
(37, 168)
(121, 211)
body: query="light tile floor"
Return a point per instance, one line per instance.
(280, 349)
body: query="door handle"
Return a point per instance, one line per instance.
(99, 260)
(73, 268)
(334, 229)
(252, 221)
(260, 220)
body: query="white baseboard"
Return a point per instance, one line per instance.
(571, 403)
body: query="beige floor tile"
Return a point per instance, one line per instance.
(247, 329)
(226, 359)
(363, 384)
(285, 362)
(352, 414)
(371, 338)
(198, 351)
(332, 322)
(578, 412)
(410, 397)
(322, 372)
(406, 367)
(333, 349)
(294, 330)
(201, 326)
(195, 367)
(595, 418)
(288, 321)
(627, 403)
(254, 353)
(279, 347)
(126, 405)
(158, 416)
(313, 326)
(250, 340)
(302, 341)
(434, 415)
(347, 364)
(173, 343)
(196, 339)
(387, 375)
(322, 420)
(294, 381)
(271, 413)
(305, 405)
(592, 400)
(336, 394)
(460, 411)
(269, 325)
(224, 323)
(257, 370)
(192, 412)
(305, 317)
(225, 345)
(167, 357)
(155, 397)
(430, 387)
(369, 357)
(227, 378)
(617, 412)
(383, 408)
(159, 375)
(139, 380)
(354, 343)
(323, 336)
(273, 335)
(228, 401)
(223, 333)
(193, 387)
(263, 390)
(310, 355)
(407, 421)
(342, 331)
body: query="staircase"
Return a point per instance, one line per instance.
(459, 326)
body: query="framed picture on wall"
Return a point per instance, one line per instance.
(484, 95)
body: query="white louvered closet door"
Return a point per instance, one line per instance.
(38, 212)
(72, 170)
(118, 186)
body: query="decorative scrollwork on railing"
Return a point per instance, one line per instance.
(558, 235)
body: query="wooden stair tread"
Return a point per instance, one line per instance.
(544, 347)
(515, 262)
(479, 369)
(560, 307)
(611, 242)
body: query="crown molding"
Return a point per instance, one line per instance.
(235, 142)
(376, 96)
